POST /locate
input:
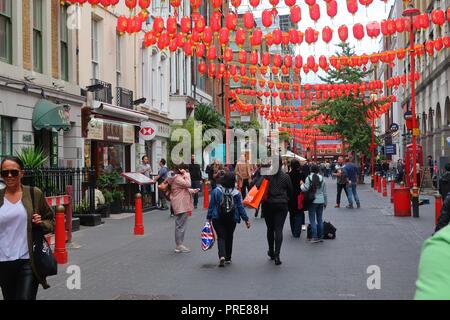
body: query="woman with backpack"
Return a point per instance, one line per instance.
(315, 184)
(225, 210)
(275, 209)
(181, 202)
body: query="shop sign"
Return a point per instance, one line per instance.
(147, 131)
(390, 149)
(95, 131)
(110, 131)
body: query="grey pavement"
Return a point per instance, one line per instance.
(115, 264)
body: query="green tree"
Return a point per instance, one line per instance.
(209, 117)
(349, 114)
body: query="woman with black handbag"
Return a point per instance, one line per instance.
(19, 219)
(315, 184)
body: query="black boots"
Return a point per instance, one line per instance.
(277, 260)
(271, 254)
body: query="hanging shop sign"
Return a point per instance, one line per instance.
(100, 129)
(148, 130)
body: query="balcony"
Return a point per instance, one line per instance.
(105, 94)
(124, 98)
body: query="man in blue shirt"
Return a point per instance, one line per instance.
(351, 172)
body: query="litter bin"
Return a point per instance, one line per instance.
(402, 202)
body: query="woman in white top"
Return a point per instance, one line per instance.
(19, 279)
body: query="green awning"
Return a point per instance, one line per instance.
(50, 116)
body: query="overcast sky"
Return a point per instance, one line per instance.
(377, 11)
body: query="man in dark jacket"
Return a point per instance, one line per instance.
(275, 209)
(196, 178)
(444, 182)
(444, 217)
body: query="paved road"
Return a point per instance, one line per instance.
(117, 265)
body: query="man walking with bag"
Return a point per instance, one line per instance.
(341, 181)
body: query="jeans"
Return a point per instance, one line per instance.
(245, 186)
(340, 187)
(195, 185)
(351, 193)
(180, 227)
(17, 280)
(275, 216)
(315, 212)
(296, 219)
(225, 230)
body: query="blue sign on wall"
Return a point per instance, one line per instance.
(390, 149)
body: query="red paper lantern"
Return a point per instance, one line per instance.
(217, 4)
(327, 34)
(188, 48)
(310, 62)
(228, 54)
(277, 60)
(263, 70)
(211, 70)
(243, 71)
(285, 38)
(172, 25)
(256, 37)
(274, 3)
(195, 4)
(254, 57)
(293, 36)
(310, 2)
(214, 21)
(149, 39)
(314, 12)
(231, 21)
(122, 23)
(207, 35)
(105, 3)
(277, 36)
(239, 38)
(289, 3)
(275, 70)
(265, 59)
(254, 3)
(400, 24)
(358, 31)
(212, 53)
(296, 14)
(300, 37)
(298, 61)
(323, 63)
(200, 52)
(200, 24)
(287, 61)
(438, 17)
(175, 3)
(365, 2)
(242, 56)
(233, 70)
(332, 8)
(131, 4)
(424, 21)
(311, 35)
(202, 67)
(185, 24)
(391, 27)
(267, 18)
(113, 2)
(446, 41)
(249, 20)
(236, 3)
(352, 6)
(158, 25)
(373, 29)
(343, 33)
(144, 4)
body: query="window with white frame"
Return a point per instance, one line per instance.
(64, 40)
(6, 31)
(163, 81)
(155, 79)
(95, 49)
(37, 36)
(185, 75)
(118, 60)
(161, 86)
(146, 72)
(5, 136)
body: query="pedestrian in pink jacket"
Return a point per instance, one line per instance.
(181, 202)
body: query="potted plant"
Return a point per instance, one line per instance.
(108, 185)
(82, 211)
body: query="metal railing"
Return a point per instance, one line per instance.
(124, 98)
(105, 94)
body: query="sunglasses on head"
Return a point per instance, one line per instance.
(6, 173)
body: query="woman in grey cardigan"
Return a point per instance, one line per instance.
(315, 182)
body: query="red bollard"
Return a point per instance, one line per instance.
(60, 252)
(392, 190)
(138, 218)
(438, 206)
(384, 187)
(375, 183)
(379, 184)
(205, 196)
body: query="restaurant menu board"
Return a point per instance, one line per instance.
(137, 177)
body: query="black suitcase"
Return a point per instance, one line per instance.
(329, 231)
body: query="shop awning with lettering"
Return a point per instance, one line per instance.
(119, 112)
(51, 116)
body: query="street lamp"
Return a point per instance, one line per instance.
(373, 98)
(411, 12)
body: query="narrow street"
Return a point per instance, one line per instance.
(115, 264)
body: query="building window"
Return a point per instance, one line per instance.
(118, 60)
(64, 47)
(37, 35)
(161, 87)
(185, 75)
(6, 136)
(94, 49)
(155, 78)
(5, 31)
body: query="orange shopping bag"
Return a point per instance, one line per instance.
(255, 195)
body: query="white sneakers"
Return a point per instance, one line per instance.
(182, 249)
(304, 227)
